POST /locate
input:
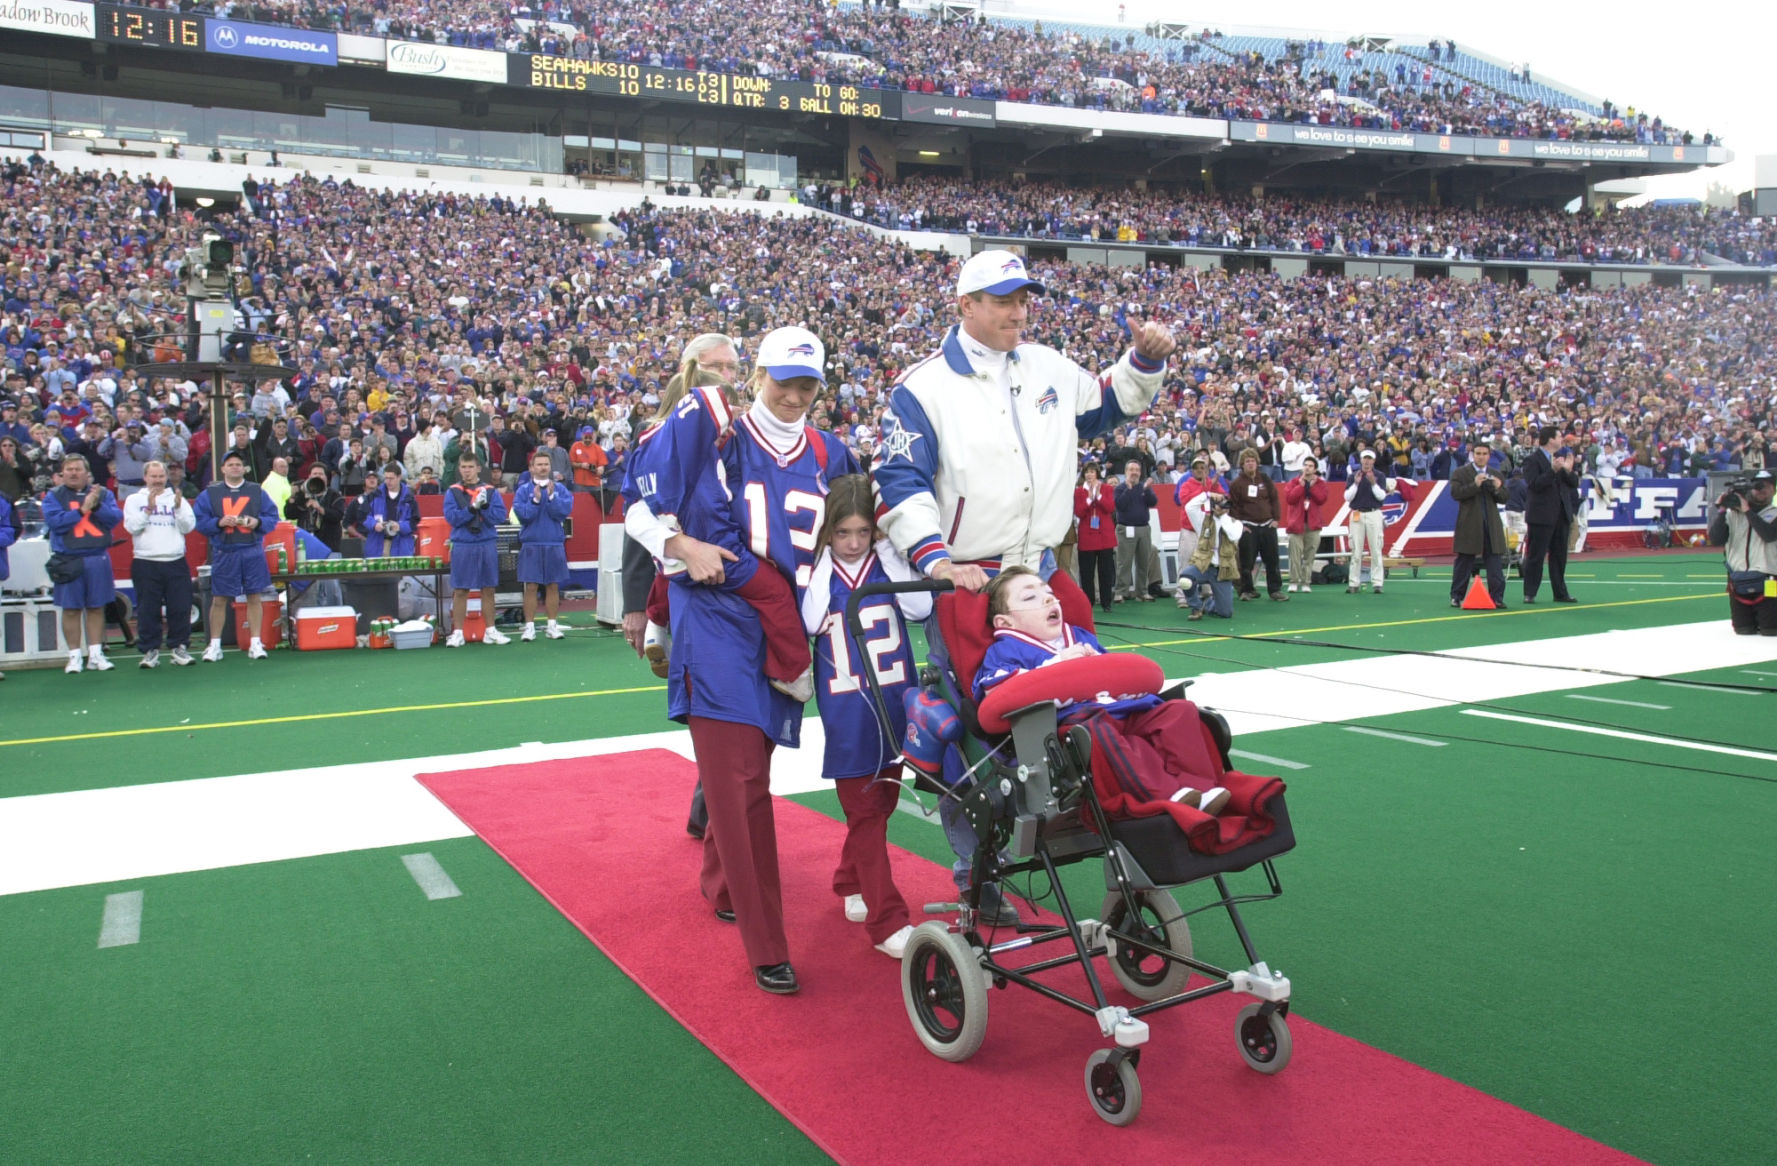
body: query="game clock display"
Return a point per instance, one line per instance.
(573, 75)
(152, 27)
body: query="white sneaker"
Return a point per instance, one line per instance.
(490, 636)
(213, 653)
(455, 639)
(895, 946)
(74, 664)
(657, 646)
(96, 662)
(554, 632)
(150, 659)
(801, 689)
(182, 658)
(529, 633)
(855, 910)
(1351, 590)
(1210, 801)
(1306, 589)
(256, 651)
(1292, 588)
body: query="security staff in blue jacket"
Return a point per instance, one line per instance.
(541, 504)
(80, 517)
(236, 514)
(473, 508)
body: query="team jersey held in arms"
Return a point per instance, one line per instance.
(860, 742)
(735, 489)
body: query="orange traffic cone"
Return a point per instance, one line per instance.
(1477, 598)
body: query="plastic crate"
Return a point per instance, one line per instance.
(417, 638)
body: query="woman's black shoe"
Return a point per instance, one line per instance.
(777, 978)
(725, 914)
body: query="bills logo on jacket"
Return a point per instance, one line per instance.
(1049, 400)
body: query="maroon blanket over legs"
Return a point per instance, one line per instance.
(1140, 761)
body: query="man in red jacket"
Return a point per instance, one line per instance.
(1303, 498)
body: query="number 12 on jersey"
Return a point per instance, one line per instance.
(884, 650)
(801, 539)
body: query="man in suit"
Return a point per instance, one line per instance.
(1480, 534)
(1552, 485)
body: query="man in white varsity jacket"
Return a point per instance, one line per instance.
(979, 450)
(975, 469)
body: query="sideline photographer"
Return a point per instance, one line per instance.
(1745, 526)
(317, 507)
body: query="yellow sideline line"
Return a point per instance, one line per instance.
(1401, 623)
(406, 708)
(504, 700)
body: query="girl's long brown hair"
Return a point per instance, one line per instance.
(848, 496)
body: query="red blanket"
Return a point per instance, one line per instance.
(1140, 761)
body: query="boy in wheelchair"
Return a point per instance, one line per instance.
(1150, 755)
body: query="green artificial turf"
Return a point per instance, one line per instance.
(1575, 924)
(326, 1011)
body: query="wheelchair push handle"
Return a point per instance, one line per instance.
(855, 600)
(854, 627)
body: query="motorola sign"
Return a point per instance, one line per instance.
(266, 42)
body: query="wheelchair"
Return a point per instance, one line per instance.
(1029, 797)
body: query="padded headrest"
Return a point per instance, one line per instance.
(1118, 674)
(962, 617)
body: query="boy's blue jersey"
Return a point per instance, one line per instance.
(861, 741)
(734, 486)
(1013, 652)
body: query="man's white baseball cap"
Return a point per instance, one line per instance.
(788, 353)
(996, 272)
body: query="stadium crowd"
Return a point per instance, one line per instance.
(521, 334)
(1285, 221)
(997, 60)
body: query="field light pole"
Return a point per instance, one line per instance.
(210, 322)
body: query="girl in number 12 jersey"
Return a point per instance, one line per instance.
(863, 741)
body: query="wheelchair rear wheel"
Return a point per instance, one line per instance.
(945, 992)
(1144, 975)
(1112, 1086)
(1264, 1039)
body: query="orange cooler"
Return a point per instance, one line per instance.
(432, 539)
(325, 628)
(282, 535)
(473, 624)
(271, 624)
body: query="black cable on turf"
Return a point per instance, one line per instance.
(1298, 642)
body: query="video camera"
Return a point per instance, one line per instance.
(1734, 491)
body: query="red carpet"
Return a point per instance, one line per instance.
(604, 841)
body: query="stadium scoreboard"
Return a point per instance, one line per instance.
(153, 27)
(621, 79)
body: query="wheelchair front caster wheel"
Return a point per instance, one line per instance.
(944, 991)
(1112, 1086)
(1264, 1040)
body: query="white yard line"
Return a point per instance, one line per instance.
(1624, 735)
(143, 831)
(121, 925)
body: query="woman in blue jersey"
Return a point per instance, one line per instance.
(863, 742)
(770, 477)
